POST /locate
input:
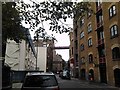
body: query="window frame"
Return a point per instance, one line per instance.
(82, 60)
(89, 42)
(114, 31)
(115, 53)
(82, 47)
(82, 21)
(89, 28)
(112, 11)
(90, 58)
(82, 34)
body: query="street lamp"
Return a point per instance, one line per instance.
(36, 44)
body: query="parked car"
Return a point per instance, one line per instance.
(40, 81)
(60, 73)
(66, 74)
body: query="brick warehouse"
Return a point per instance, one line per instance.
(95, 44)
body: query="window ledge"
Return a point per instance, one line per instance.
(110, 17)
(114, 36)
(117, 59)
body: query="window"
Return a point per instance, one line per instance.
(112, 11)
(90, 42)
(81, 34)
(116, 53)
(101, 35)
(83, 60)
(40, 81)
(88, 14)
(89, 28)
(90, 58)
(114, 31)
(82, 47)
(82, 21)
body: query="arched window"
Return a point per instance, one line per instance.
(114, 31)
(90, 58)
(82, 47)
(89, 28)
(90, 42)
(81, 34)
(116, 53)
(83, 60)
(82, 21)
(112, 11)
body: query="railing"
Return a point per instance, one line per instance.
(99, 7)
(99, 24)
(100, 41)
(61, 47)
(102, 60)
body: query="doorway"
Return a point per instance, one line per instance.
(117, 77)
(91, 75)
(83, 74)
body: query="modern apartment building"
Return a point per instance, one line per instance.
(96, 44)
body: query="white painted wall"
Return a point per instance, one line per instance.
(12, 54)
(42, 58)
(17, 56)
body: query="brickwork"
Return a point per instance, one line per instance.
(109, 43)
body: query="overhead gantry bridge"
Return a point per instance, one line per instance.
(60, 47)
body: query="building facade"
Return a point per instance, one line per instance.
(58, 63)
(49, 44)
(96, 45)
(19, 56)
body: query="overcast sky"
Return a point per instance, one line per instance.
(62, 40)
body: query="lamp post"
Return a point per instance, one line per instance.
(36, 45)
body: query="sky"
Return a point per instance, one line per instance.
(62, 40)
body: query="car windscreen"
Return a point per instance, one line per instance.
(40, 81)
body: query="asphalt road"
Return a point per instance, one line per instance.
(75, 84)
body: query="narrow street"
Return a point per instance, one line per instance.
(75, 84)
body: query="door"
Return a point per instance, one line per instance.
(117, 77)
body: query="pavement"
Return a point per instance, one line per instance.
(97, 83)
(16, 85)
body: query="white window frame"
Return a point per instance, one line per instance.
(90, 42)
(114, 30)
(89, 28)
(112, 11)
(82, 34)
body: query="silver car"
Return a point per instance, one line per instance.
(40, 81)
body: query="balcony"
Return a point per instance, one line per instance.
(99, 8)
(100, 42)
(99, 24)
(102, 60)
(117, 59)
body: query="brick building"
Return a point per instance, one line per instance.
(96, 44)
